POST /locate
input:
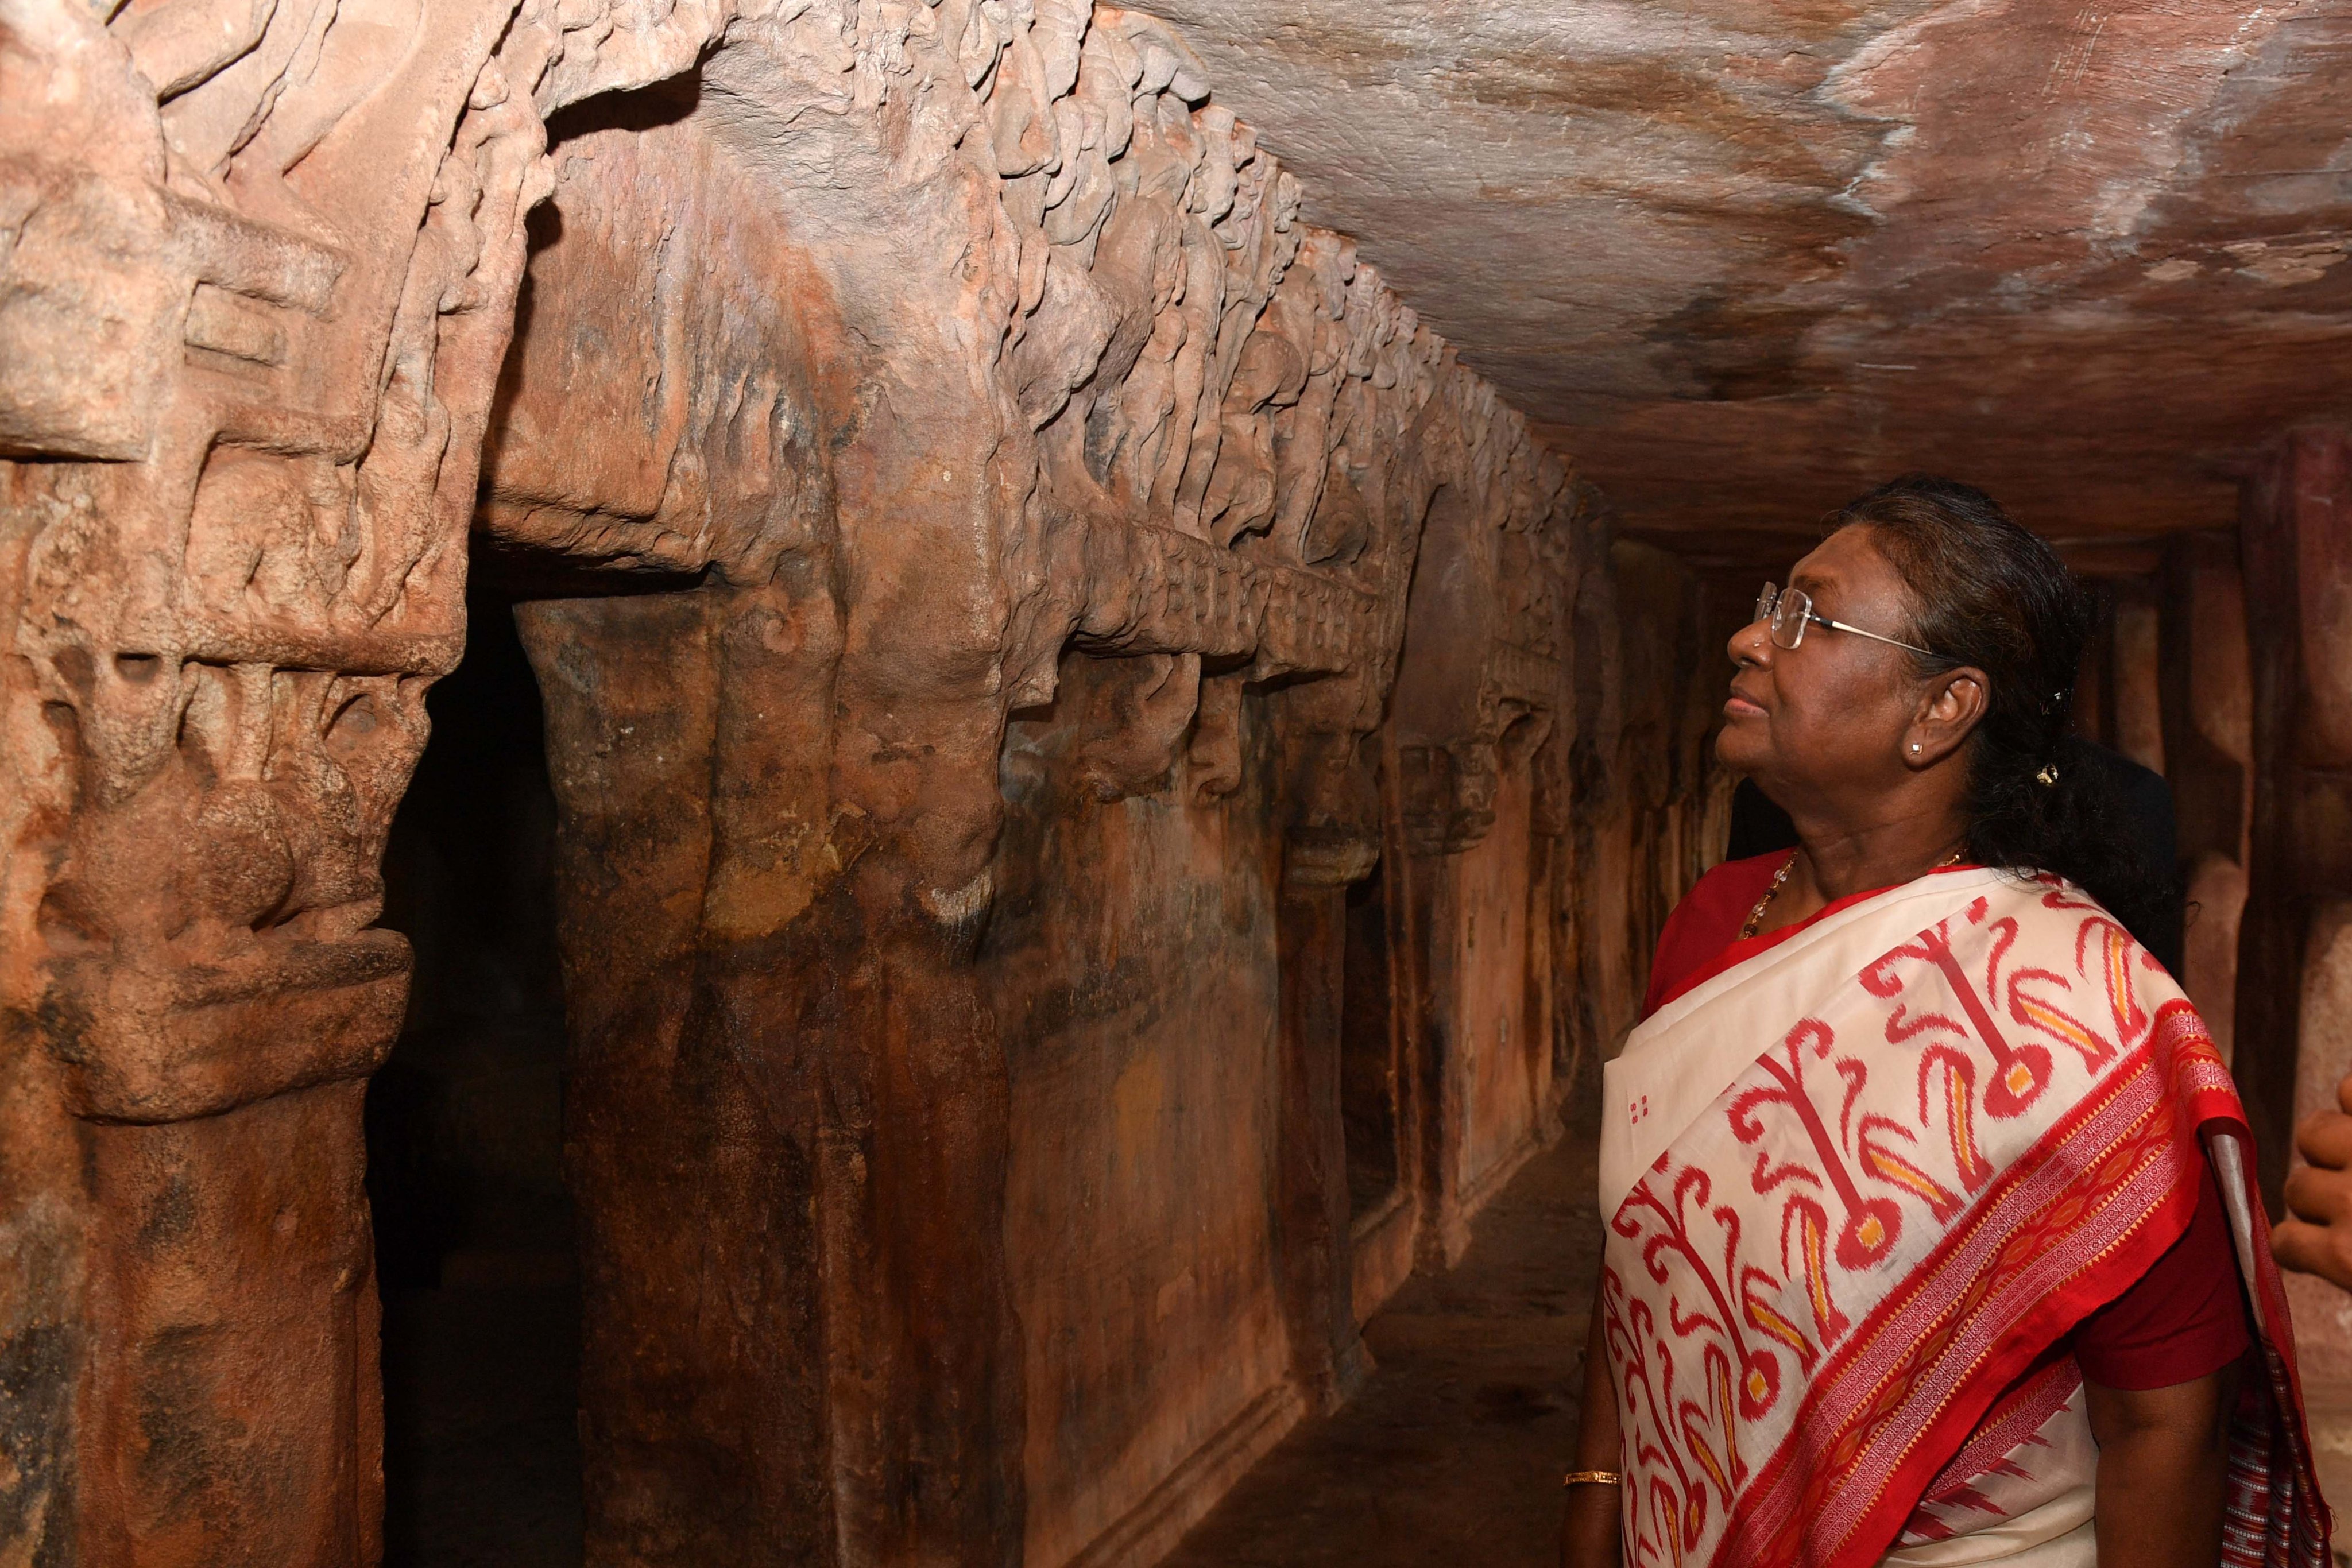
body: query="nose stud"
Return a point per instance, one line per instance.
(1915, 748)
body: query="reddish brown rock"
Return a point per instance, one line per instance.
(1108, 784)
(2295, 961)
(1112, 1041)
(251, 332)
(972, 528)
(1746, 260)
(2208, 699)
(2297, 558)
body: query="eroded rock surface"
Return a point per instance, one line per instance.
(972, 528)
(1746, 260)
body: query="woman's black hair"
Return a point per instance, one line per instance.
(1987, 592)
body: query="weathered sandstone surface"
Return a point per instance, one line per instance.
(1106, 784)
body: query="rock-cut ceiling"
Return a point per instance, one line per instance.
(1739, 259)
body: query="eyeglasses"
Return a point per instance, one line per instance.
(1787, 609)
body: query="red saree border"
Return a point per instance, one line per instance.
(2274, 1516)
(2024, 1409)
(2073, 1211)
(2270, 1416)
(2128, 1201)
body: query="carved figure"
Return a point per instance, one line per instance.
(953, 340)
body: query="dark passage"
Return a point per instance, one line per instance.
(1452, 1452)
(474, 1233)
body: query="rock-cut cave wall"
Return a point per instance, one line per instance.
(1105, 787)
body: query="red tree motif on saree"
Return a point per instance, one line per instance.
(1822, 1302)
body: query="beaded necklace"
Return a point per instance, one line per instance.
(1756, 915)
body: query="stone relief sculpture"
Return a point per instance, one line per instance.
(250, 358)
(915, 345)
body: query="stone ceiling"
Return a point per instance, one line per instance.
(1741, 259)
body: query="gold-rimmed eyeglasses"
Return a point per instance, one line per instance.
(1786, 610)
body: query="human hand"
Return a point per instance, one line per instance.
(2315, 1237)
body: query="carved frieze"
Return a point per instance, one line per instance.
(1006, 339)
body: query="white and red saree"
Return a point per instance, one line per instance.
(1861, 1185)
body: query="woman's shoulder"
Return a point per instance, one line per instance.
(1739, 882)
(1707, 920)
(1722, 896)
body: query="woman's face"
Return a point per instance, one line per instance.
(1830, 717)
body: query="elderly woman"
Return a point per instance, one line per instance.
(1929, 1230)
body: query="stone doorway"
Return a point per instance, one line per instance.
(474, 1231)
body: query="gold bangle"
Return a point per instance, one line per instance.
(1594, 1477)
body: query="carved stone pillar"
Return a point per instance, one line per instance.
(1333, 841)
(2296, 528)
(817, 1363)
(2136, 680)
(260, 275)
(779, 801)
(2208, 706)
(1327, 1352)
(1481, 915)
(1610, 958)
(882, 361)
(1477, 700)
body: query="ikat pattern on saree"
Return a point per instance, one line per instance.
(1813, 1297)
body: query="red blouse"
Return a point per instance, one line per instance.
(2183, 1319)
